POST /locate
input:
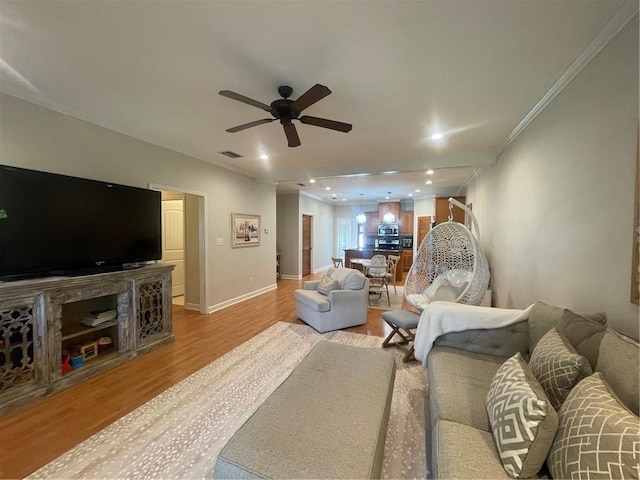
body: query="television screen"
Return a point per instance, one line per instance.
(56, 224)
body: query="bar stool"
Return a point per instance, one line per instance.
(402, 322)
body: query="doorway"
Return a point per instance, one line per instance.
(344, 236)
(306, 244)
(183, 245)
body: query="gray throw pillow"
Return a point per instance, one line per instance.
(557, 366)
(597, 437)
(619, 363)
(583, 333)
(327, 284)
(522, 420)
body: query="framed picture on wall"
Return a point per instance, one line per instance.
(245, 230)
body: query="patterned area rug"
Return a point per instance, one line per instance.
(179, 433)
(380, 302)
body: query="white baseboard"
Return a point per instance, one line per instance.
(192, 306)
(323, 269)
(291, 277)
(241, 298)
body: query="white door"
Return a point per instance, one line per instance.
(344, 236)
(173, 241)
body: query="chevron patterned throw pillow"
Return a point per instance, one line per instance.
(522, 420)
(557, 366)
(597, 436)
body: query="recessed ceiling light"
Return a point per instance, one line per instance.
(264, 157)
(312, 180)
(389, 172)
(430, 172)
(437, 136)
(334, 195)
(327, 188)
(428, 182)
(410, 195)
(344, 199)
(417, 190)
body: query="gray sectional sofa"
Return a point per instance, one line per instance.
(461, 368)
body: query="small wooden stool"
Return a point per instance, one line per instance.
(402, 322)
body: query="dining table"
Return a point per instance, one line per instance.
(361, 264)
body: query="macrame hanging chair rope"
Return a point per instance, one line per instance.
(449, 247)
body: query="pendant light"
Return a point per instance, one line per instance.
(361, 217)
(389, 217)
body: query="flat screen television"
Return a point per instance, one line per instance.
(54, 224)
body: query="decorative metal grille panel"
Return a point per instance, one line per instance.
(150, 310)
(16, 347)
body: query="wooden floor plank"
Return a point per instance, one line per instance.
(36, 434)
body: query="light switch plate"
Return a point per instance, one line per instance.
(219, 242)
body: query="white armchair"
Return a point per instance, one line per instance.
(343, 307)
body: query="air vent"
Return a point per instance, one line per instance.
(231, 154)
(301, 185)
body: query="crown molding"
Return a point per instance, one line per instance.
(615, 23)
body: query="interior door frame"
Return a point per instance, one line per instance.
(203, 274)
(311, 222)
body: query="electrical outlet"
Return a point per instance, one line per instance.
(250, 279)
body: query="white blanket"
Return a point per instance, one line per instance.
(439, 318)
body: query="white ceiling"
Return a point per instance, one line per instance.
(399, 71)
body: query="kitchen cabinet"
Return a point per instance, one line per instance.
(371, 225)
(407, 259)
(406, 223)
(442, 210)
(393, 207)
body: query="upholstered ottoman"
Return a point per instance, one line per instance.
(328, 419)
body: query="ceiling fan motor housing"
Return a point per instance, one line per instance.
(281, 109)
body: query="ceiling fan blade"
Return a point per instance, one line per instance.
(244, 126)
(311, 96)
(292, 134)
(324, 123)
(243, 99)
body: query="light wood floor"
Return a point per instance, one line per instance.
(36, 434)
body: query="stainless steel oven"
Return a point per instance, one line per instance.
(388, 230)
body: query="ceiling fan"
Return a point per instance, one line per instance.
(287, 110)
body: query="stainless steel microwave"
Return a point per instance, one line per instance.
(388, 230)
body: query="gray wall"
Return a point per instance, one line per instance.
(39, 138)
(322, 231)
(288, 232)
(556, 211)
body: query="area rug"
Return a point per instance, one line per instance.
(179, 433)
(379, 302)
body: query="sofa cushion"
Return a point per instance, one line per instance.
(544, 317)
(619, 363)
(522, 420)
(327, 284)
(597, 437)
(355, 281)
(557, 366)
(313, 299)
(584, 334)
(461, 451)
(458, 385)
(502, 342)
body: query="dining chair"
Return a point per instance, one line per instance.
(392, 266)
(337, 262)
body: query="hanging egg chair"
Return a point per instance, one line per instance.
(449, 265)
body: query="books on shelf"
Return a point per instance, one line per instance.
(98, 317)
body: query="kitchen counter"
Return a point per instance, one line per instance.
(350, 253)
